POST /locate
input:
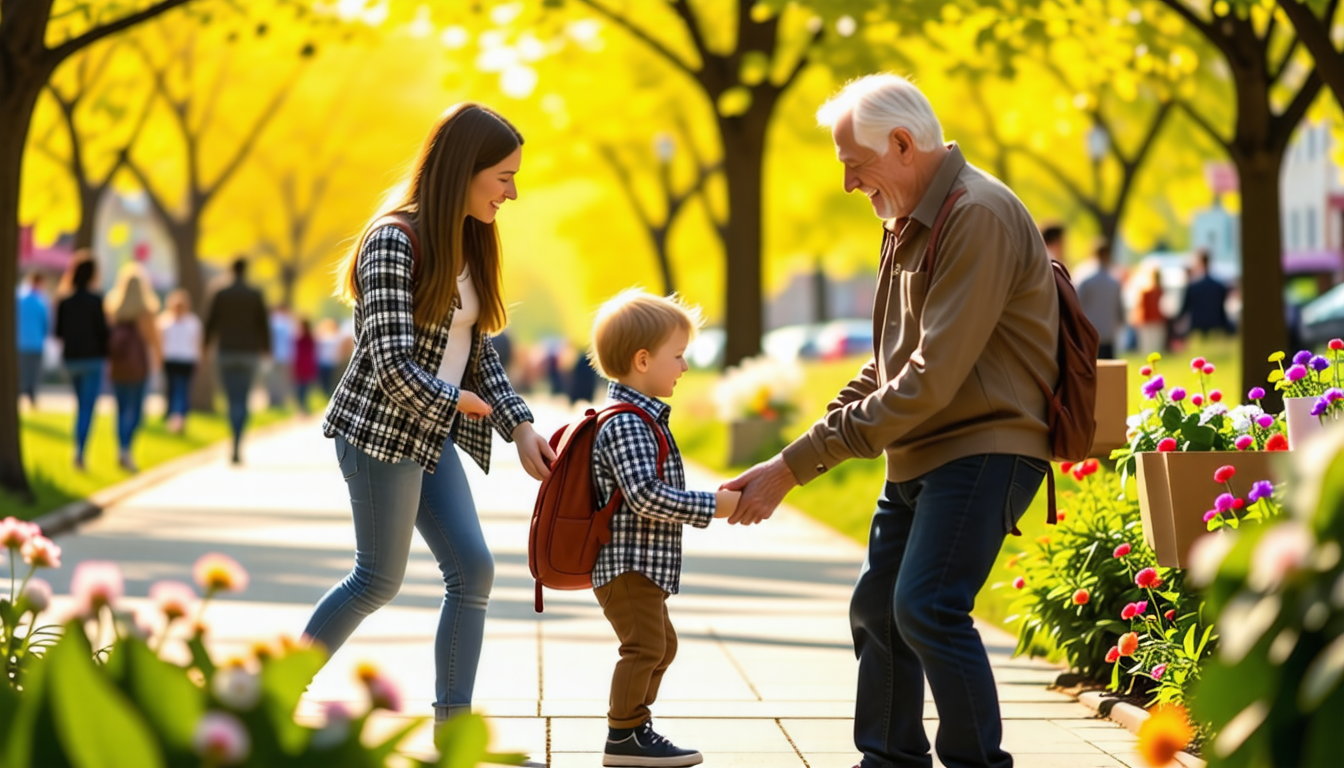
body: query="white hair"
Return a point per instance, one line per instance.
(879, 105)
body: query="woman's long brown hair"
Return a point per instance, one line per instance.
(466, 140)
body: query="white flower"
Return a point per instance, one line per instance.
(1243, 415)
(755, 386)
(1217, 409)
(1283, 549)
(1139, 419)
(236, 688)
(38, 595)
(222, 739)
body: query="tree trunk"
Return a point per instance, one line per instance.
(743, 164)
(89, 197)
(1108, 223)
(17, 105)
(1263, 326)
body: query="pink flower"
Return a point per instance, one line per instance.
(37, 595)
(1238, 503)
(1244, 442)
(215, 573)
(236, 688)
(1113, 655)
(1224, 473)
(1166, 444)
(221, 739)
(1337, 344)
(95, 584)
(1081, 597)
(1141, 606)
(1197, 400)
(1216, 396)
(384, 694)
(41, 552)
(1129, 643)
(1148, 578)
(1129, 611)
(1019, 583)
(1208, 369)
(1224, 502)
(1212, 513)
(1158, 670)
(1122, 550)
(1198, 364)
(1170, 615)
(14, 533)
(173, 598)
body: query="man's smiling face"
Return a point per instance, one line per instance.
(882, 178)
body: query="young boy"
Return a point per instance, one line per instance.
(639, 342)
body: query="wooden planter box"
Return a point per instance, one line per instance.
(1177, 488)
(1112, 407)
(750, 438)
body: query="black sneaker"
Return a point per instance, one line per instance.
(641, 747)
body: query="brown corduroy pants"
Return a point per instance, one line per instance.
(637, 610)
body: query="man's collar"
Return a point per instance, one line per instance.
(947, 173)
(618, 392)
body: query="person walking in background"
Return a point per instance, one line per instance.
(280, 375)
(33, 315)
(1204, 308)
(328, 353)
(305, 364)
(238, 321)
(1053, 235)
(133, 351)
(1149, 322)
(81, 326)
(180, 332)
(1102, 299)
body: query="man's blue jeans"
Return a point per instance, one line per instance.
(86, 377)
(389, 501)
(239, 371)
(932, 544)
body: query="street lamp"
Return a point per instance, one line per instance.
(665, 147)
(1098, 142)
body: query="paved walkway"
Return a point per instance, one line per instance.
(765, 674)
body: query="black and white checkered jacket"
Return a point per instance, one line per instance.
(390, 404)
(646, 530)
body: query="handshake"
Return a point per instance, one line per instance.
(753, 496)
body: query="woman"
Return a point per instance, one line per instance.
(1149, 323)
(423, 378)
(180, 331)
(82, 328)
(133, 351)
(305, 363)
(328, 353)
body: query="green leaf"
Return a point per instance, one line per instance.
(462, 742)
(379, 753)
(1200, 437)
(282, 683)
(169, 700)
(97, 725)
(200, 657)
(1172, 418)
(1322, 676)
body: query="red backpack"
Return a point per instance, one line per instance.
(568, 527)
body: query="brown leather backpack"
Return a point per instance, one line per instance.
(568, 526)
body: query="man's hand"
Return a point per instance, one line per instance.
(533, 451)
(471, 405)
(763, 487)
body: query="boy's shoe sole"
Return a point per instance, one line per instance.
(623, 761)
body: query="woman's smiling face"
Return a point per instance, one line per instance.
(492, 186)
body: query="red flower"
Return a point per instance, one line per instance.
(1216, 396)
(1148, 578)
(1166, 444)
(1113, 655)
(1224, 473)
(1170, 615)
(1019, 583)
(1059, 515)
(1238, 503)
(1078, 473)
(1277, 442)
(1065, 467)
(1091, 466)
(1081, 597)
(1129, 611)
(1122, 550)
(1146, 370)
(1209, 369)
(1337, 344)
(1197, 399)
(1198, 363)
(1129, 643)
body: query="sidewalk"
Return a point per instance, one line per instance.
(764, 676)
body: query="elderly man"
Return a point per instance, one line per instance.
(951, 397)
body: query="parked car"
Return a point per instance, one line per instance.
(792, 342)
(844, 338)
(1322, 318)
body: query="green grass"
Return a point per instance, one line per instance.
(844, 497)
(48, 453)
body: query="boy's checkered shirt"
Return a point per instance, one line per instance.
(390, 404)
(646, 530)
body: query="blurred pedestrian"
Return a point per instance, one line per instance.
(582, 381)
(1149, 322)
(328, 353)
(305, 363)
(238, 320)
(133, 351)
(180, 331)
(1102, 299)
(81, 326)
(33, 314)
(1204, 307)
(280, 373)
(1053, 235)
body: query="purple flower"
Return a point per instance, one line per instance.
(1178, 393)
(1296, 373)
(1153, 386)
(1318, 363)
(1256, 393)
(1318, 407)
(1264, 420)
(1212, 513)
(1302, 357)
(1224, 502)
(1333, 394)
(1262, 489)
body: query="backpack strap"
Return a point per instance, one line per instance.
(936, 231)
(403, 222)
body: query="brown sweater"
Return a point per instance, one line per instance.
(955, 354)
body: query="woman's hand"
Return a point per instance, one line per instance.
(472, 406)
(533, 451)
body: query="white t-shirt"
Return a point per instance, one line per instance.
(181, 338)
(459, 333)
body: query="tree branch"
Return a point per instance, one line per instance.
(1083, 199)
(643, 36)
(1192, 18)
(683, 9)
(608, 153)
(1204, 124)
(245, 147)
(804, 59)
(1286, 123)
(64, 50)
(1284, 62)
(143, 180)
(1314, 33)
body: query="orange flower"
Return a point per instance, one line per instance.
(366, 671)
(1081, 597)
(1129, 643)
(1166, 732)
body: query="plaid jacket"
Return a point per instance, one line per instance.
(646, 530)
(390, 404)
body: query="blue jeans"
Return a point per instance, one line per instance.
(179, 386)
(30, 373)
(130, 406)
(238, 370)
(389, 500)
(931, 547)
(86, 376)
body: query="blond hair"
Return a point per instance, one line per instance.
(131, 298)
(635, 319)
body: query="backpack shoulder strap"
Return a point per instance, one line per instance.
(936, 231)
(403, 222)
(618, 408)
